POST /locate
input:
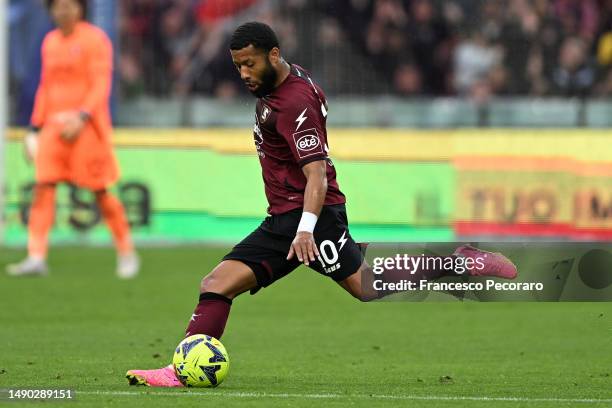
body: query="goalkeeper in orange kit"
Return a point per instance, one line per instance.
(70, 138)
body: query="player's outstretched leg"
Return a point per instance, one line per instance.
(217, 290)
(42, 213)
(128, 262)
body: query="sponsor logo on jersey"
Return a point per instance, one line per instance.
(307, 143)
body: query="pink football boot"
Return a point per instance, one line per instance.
(162, 377)
(495, 264)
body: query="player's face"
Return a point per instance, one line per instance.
(257, 69)
(66, 13)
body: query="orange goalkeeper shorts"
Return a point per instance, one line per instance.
(88, 161)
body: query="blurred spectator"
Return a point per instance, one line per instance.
(604, 49)
(475, 59)
(138, 54)
(431, 45)
(408, 81)
(574, 75)
(519, 36)
(132, 79)
(334, 52)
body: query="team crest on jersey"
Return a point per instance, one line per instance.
(307, 143)
(265, 112)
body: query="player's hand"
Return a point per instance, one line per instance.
(71, 124)
(304, 247)
(30, 146)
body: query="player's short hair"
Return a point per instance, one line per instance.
(82, 3)
(254, 33)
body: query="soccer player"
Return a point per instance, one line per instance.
(70, 138)
(307, 220)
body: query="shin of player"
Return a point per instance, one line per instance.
(217, 290)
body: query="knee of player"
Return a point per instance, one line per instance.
(358, 295)
(215, 284)
(368, 297)
(362, 295)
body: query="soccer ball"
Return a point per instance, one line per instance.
(200, 361)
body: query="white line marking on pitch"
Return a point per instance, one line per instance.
(337, 396)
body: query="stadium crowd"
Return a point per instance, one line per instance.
(406, 47)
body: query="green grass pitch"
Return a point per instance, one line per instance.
(301, 342)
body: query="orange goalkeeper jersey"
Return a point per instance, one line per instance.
(76, 76)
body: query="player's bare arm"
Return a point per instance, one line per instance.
(304, 246)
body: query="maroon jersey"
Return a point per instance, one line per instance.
(290, 132)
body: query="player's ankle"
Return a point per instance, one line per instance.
(37, 258)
